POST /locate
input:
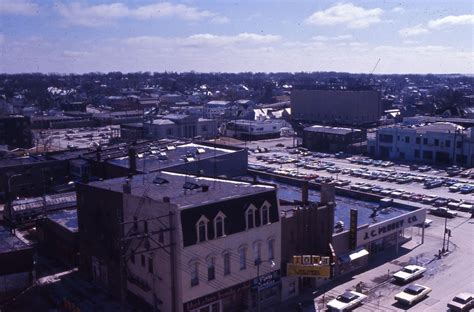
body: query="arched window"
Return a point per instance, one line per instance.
(211, 268)
(250, 217)
(257, 251)
(243, 257)
(219, 226)
(271, 249)
(201, 229)
(194, 273)
(265, 213)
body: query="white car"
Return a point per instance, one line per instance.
(413, 293)
(347, 301)
(462, 302)
(409, 273)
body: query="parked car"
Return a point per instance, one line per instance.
(433, 183)
(466, 189)
(462, 302)
(424, 168)
(347, 301)
(455, 187)
(412, 294)
(443, 212)
(409, 273)
(439, 202)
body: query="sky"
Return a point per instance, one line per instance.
(414, 36)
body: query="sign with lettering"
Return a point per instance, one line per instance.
(266, 281)
(376, 231)
(308, 270)
(353, 230)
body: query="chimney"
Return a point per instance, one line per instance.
(132, 161)
(328, 193)
(304, 192)
(166, 199)
(205, 188)
(127, 187)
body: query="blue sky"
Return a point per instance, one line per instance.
(420, 36)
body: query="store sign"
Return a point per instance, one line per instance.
(199, 302)
(391, 226)
(308, 270)
(266, 281)
(309, 266)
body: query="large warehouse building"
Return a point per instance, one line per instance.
(335, 107)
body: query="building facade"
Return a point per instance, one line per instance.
(182, 243)
(331, 139)
(254, 129)
(180, 126)
(336, 107)
(15, 131)
(437, 143)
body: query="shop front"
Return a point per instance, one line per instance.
(267, 289)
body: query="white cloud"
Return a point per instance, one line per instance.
(413, 31)
(103, 14)
(18, 7)
(336, 38)
(76, 54)
(451, 20)
(346, 13)
(398, 10)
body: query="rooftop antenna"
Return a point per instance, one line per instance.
(376, 64)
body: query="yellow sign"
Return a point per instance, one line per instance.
(308, 270)
(311, 260)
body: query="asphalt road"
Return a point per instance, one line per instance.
(448, 276)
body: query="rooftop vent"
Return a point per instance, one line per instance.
(190, 186)
(160, 181)
(170, 147)
(201, 151)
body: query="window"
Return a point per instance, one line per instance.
(195, 274)
(407, 139)
(418, 140)
(436, 142)
(448, 143)
(219, 229)
(243, 258)
(150, 265)
(142, 258)
(201, 229)
(427, 155)
(211, 269)
(227, 263)
(271, 249)
(417, 153)
(265, 215)
(458, 144)
(250, 216)
(257, 251)
(425, 141)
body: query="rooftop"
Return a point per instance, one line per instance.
(9, 242)
(171, 156)
(331, 130)
(184, 190)
(65, 218)
(17, 161)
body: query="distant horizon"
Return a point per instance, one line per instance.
(413, 37)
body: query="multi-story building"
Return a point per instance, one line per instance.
(15, 131)
(182, 243)
(180, 126)
(216, 109)
(331, 139)
(335, 106)
(437, 143)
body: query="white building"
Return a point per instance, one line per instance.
(191, 243)
(216, 109)
(255, 129)
(438, 143)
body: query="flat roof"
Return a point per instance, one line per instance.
(177, 155)
(66, 219)
(24, 160)
(331, 130)
(183, 190)
(9, 242)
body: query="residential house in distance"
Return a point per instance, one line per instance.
(177, 242)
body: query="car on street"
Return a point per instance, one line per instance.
(409, 273)
(462, 302)
(443, 212)
(347, 301)
(412, 294)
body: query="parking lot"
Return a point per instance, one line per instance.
(430, 186)
(59, 139)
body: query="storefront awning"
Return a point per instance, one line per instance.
(354, 255)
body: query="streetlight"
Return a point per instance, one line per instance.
(258, 262)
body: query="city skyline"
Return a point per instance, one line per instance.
(262, 36)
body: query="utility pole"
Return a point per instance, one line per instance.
(445, 230)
